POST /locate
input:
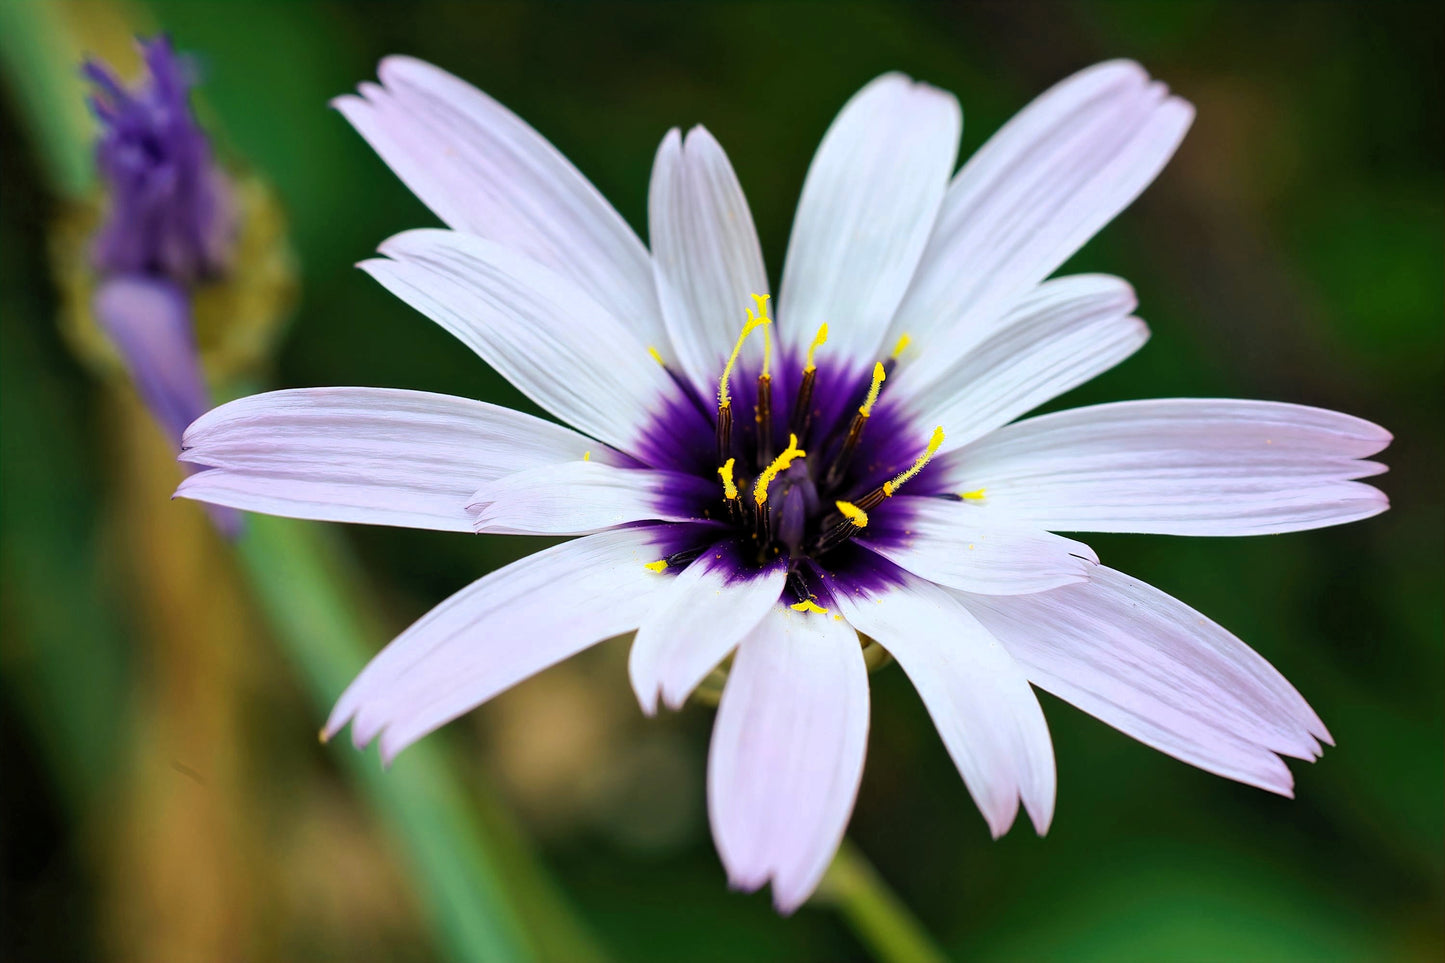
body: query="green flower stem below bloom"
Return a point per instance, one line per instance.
(873, 911)
(489, 901)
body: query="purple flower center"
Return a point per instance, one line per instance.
(797, 464)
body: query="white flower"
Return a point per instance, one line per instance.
(770, 491)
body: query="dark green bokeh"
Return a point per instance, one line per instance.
(1292, 251)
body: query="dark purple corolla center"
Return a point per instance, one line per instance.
(800, 526)
(170, 211)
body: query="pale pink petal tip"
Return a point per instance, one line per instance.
(787, 753)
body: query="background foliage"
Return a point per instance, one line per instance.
(164, 795)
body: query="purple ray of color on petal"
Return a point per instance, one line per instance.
(170, 211)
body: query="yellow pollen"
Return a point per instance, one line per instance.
(760, 490)
(878, 375)
(818, 341)
(901, 346)
(853, 513)
(934, 443)
(755, 321)
(973, 496)
(726, 471)
(656, 566)
(656, 355)
(808, 605)
(587, 456)
(322, 737)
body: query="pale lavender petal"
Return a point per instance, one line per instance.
(483, 170)
(1067, 332)
(149, 322)
(1161, 672)
(498, 631)
(543, 333)
(787, 753)
(957, 545)
(868, 204)
(579, 497)
(705, 254)
(978, 697)
(700, 616)
(1183, 466)
(379, 456)
(1031, 196)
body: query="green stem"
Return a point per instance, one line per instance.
(874, 912)
(476, 894)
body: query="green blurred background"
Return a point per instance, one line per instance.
(164, 794)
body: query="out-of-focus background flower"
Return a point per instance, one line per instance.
(164, 795)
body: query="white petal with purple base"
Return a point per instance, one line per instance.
(700, 616)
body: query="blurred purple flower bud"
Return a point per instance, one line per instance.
(171, 211)
(169, 225)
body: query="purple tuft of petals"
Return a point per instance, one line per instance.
(171, 211)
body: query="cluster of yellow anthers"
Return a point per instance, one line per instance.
(855, 516)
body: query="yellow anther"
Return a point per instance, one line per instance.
(793, 452)
(878, 375)
(934, 443)
(808, 605)
(818, 340)
(656, 355)
(657, 566)
(587, 456)
(755, 321)
(902, 346)
(323, 737)
(973, 496)
(853, 513)
(726, 471)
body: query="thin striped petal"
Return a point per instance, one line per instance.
(544, 334)
(1032, 195)
(954, 544)
(705, 252)
(1068, 331)
(1183, 466)
(377, 456)
(868, 205)
(978, 697)
(496, 632)
(1157, 670)
(699, 619)
(484, 171)
(580, 497)
(787, 753)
